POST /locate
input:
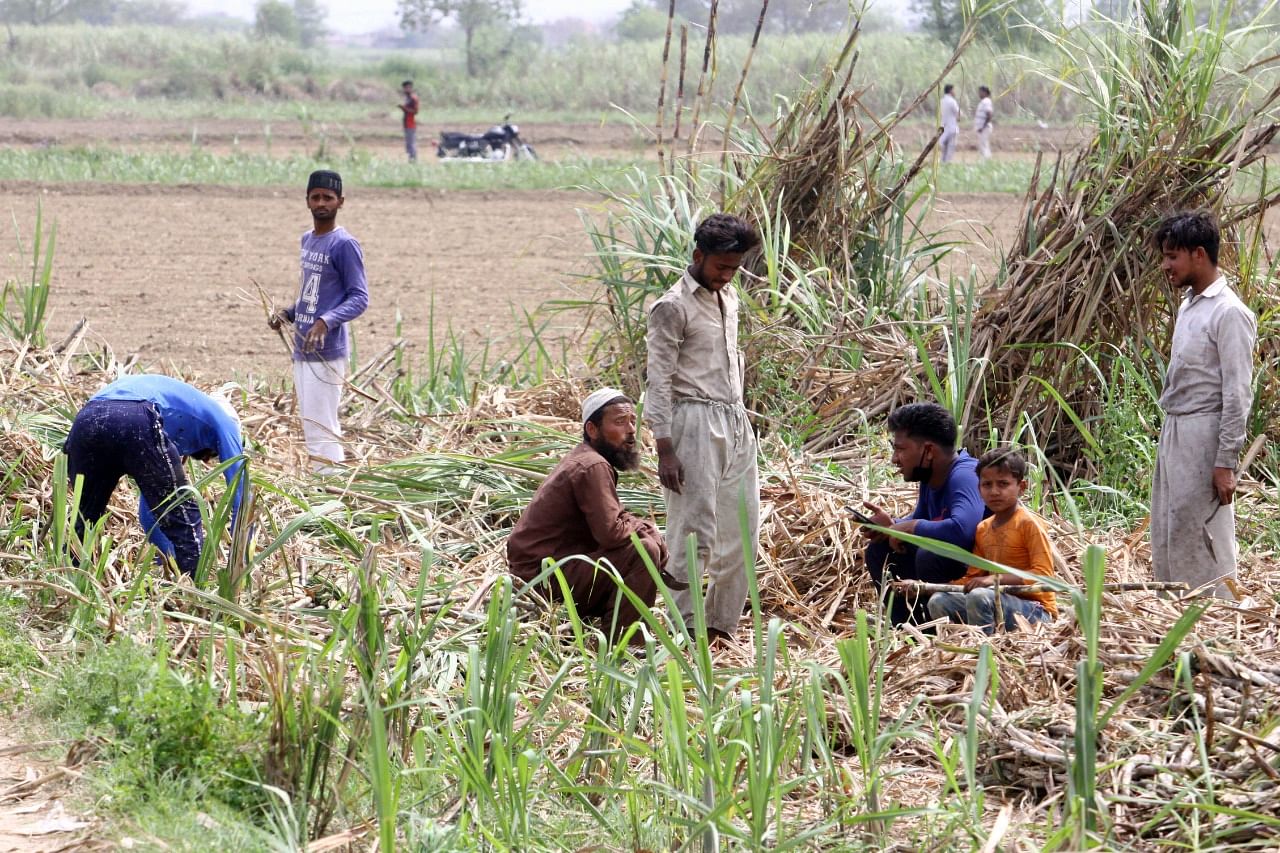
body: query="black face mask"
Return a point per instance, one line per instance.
(921, 473)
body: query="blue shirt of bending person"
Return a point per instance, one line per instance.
(197, 425)
(948, 509)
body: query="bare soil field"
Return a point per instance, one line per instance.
(165, 273)
(289, 136)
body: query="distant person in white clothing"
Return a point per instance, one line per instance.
(950, 123)
(983, 121)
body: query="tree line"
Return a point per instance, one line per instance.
(491, 31)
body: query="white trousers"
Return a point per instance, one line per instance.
(984, 142)
(1182, 500)
(717, 448)
(319, 388)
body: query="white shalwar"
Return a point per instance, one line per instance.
(694, 397)
(1207, 396)
(950, 127)
(319, 388)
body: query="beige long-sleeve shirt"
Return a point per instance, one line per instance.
(693, 350)
(1211, 365)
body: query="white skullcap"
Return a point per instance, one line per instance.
(596, 400)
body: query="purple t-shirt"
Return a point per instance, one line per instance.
(951, 513)
(333, 289)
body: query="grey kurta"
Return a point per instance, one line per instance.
(1207, 396)
(694, 397)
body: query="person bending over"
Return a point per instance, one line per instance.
(142, 427)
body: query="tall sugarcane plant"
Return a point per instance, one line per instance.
(1186, 109)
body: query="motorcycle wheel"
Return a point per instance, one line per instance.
(526, 151)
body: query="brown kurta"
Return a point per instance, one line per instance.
(576, 512)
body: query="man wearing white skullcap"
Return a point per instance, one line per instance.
(576, 519)
(694, 405)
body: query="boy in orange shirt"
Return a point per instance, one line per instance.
(1011, 536)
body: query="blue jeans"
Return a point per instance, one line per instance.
(110, 439)
(411, 143)
(912, 564)
(979, 608)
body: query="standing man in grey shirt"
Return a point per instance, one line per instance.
(694, 405)
(950, 123)
(1208, 392)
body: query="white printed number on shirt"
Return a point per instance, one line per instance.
(311, 292)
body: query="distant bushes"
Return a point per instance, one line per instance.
(59, 71)
(113, 63)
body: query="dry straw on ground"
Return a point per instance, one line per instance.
(1225, 688)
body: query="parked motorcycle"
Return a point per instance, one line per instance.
(500, 142)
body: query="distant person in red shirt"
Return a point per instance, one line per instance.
(410, 110)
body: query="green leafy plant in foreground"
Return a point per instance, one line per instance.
(157, 723)
(25, 302)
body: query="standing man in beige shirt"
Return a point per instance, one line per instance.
(694, 405)
(1208, 392)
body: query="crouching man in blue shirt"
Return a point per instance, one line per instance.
(142, 427)
(949, 507)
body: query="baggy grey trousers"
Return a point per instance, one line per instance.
(1182, 499)
(717, 448)
(947, 144)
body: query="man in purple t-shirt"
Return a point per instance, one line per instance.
(334, 292)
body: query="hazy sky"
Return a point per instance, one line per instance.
(362, 16)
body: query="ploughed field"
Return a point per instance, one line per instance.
(166, 272)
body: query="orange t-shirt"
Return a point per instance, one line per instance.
(1020, 543)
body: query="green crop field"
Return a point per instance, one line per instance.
(108, 165)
